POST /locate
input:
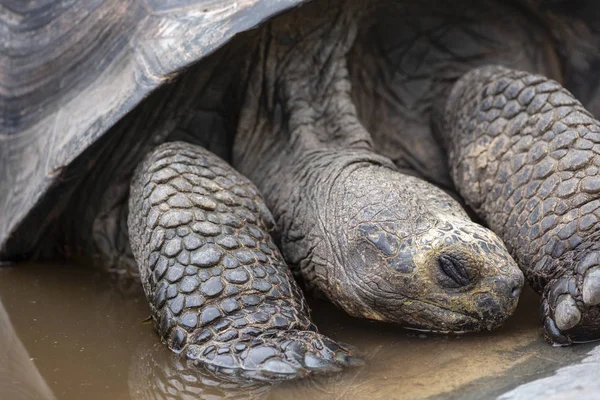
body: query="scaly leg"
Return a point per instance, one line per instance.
(219, 291)
(525, 155)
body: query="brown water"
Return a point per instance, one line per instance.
(70, 333)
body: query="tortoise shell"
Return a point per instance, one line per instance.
(71, 69)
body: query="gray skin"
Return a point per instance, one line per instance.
(339, 119)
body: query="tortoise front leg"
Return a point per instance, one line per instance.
(219, 291)
(525, 155)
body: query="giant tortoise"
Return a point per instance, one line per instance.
(207, 145)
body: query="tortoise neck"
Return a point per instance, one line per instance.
(298, 94)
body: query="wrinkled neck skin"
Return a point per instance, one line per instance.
(297, 100)
(296, 117)
(300, 140)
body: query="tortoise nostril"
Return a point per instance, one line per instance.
(455, 270)
(516, 290)
(508, 286)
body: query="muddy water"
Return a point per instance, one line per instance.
(71, 333)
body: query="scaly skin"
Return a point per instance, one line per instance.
(525, 155)
(414, 257)
(219, 291)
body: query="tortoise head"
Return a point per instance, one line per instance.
(416, 259)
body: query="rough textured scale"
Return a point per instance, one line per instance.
(219, 290)
(525, 155)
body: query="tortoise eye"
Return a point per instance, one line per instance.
(454, 270)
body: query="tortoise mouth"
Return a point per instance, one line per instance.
(463, 322)
(436, 318)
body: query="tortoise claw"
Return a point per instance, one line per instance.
(570, 309)
(553, 335)
(591, 287)
(566, 314)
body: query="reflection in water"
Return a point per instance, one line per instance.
(89, 341)
(19, 377)
(157, 374)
